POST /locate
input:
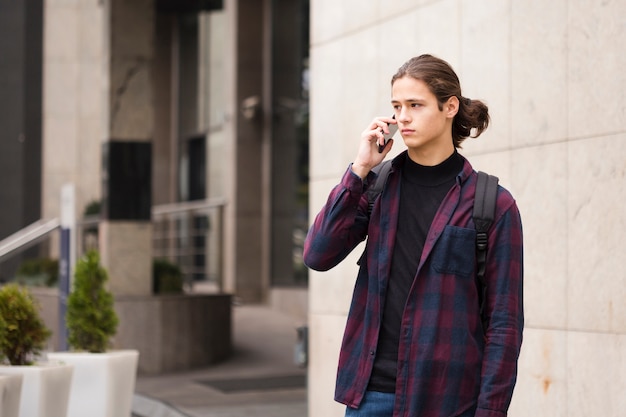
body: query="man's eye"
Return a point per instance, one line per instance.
(416, 105)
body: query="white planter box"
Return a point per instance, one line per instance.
(103, 384)
(45, 388)
(10, 394)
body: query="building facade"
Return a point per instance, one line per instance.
(552, 75)
(154, 105)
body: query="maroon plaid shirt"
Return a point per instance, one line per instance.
(447, 365)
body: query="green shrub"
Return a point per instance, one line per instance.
(167, 278)
(39, 271)
(22, 332)
(91, 319)
(92, 209)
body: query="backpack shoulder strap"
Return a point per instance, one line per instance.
(372, 193)
(484, 214)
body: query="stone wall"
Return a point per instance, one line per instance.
(552, 75)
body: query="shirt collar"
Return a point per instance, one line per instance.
(466, 172)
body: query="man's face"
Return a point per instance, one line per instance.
(426, 129)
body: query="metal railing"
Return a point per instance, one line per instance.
(28, 236)
(190, 234)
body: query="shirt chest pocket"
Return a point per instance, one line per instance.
(455, 251)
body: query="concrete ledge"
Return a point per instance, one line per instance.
(171, 332)
(175, 332)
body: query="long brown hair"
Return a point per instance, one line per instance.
(444, 83)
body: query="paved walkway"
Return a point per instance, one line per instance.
(261, 379)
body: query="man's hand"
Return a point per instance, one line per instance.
(368, 156)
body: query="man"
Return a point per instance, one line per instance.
(414, 343)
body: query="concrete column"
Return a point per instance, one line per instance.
(73, 104)
(126, 232)
(245, 218)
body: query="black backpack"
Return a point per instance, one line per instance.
(483, 215)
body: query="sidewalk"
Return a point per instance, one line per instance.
(260, 379)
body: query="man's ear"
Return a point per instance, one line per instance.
(451, 107)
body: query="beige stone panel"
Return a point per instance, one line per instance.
(359, 15)
(541, 389)
(60, 146)
(390, 9)
(326, 21)
(497, 163)
(60, 95)
(126, 253)
(595, 375)
(326, 123)
(217, 160)
(90, 97)
(329, 22)
(539, 177)
(325, 335)
(344, 101)
(61, 31)
(539, 72)
(91, 30)
(431, 19)
(596, 76)
(485, 70)
(359, 94)
(131, 99)
(398, 41)
(51, 194)
(597, 220)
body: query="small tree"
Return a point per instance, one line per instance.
(22, 332)
(91, 319)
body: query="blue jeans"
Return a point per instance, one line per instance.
(374, 404)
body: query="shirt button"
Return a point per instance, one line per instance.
(372, 352)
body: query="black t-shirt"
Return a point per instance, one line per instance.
(422, 190)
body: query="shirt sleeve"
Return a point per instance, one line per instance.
(505, 315)
(341, 224)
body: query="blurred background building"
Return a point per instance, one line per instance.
(148, 105)
(184, 129)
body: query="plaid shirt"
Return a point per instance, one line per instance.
(447, 365)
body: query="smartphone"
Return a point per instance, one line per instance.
(393, 128)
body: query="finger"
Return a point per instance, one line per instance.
(384, 122)
(379, 136)
(378, 123)
(373, 135)
(387, 147)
